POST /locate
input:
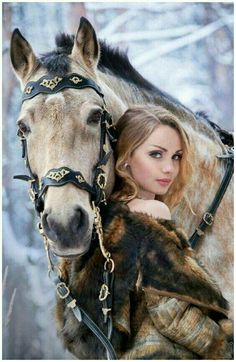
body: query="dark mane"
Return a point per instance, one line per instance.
(57, 61)
(112, 60)
(226, 137)
(116, 62)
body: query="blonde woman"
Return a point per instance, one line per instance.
(153, 160)
(165, 305)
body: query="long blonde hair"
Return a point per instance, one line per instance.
(133, 128)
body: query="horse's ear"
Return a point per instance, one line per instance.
(86, 47)
(22, 56)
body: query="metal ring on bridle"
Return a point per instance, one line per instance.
(208, 218)
(111, 261)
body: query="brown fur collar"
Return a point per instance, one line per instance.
(148, 254)
(161, 253)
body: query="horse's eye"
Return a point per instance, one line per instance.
(23, 129)
(94, 118)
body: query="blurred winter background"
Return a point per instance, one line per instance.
(185, 49)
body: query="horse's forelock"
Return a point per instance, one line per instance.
(64, 42)
(57, 61)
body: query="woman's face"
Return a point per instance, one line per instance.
(155, 164)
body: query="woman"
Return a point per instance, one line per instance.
(165, 305)
(150, 150)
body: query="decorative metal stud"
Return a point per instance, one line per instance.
(57, 175)
(51, 83)
(102, 180)
(80, 178)
(76, 80)
(29, 89)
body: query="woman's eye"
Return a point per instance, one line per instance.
(23, 129)
(94, 118)
(177, 157)
(155, 154)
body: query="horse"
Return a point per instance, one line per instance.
(62, 133)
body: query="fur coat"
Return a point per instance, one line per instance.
(165, 305)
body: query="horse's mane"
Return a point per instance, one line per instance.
(112, 60)
(116, 62)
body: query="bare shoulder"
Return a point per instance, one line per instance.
(154, 208)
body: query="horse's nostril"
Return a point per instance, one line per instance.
(78, 220)
(49, 226)
(44, 221)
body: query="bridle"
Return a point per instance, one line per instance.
(63, 175)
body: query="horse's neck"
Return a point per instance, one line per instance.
(120, 94)
(208, 172)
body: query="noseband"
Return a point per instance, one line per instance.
(63, 175)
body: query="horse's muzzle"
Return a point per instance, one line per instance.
(69, 237)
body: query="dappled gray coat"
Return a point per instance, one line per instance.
(165, 305)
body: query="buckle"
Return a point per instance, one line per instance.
(208, 218)
(62, 290)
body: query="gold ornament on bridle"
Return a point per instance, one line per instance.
(51, 83)
(57, 175)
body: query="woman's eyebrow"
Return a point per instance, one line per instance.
(165, 150)
(162, 148)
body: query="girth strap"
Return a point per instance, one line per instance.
(208, 217)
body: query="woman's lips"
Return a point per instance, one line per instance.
(164, 182)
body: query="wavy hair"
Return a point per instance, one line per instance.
(133, 128)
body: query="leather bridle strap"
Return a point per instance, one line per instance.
(79, 313)
(53, 84)
(208, 217)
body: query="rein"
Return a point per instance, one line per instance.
(63, 175)
(208, 216)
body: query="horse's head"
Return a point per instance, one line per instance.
(62, 130)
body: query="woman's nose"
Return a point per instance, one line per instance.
(168, 167)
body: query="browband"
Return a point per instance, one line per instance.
(53, 84)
